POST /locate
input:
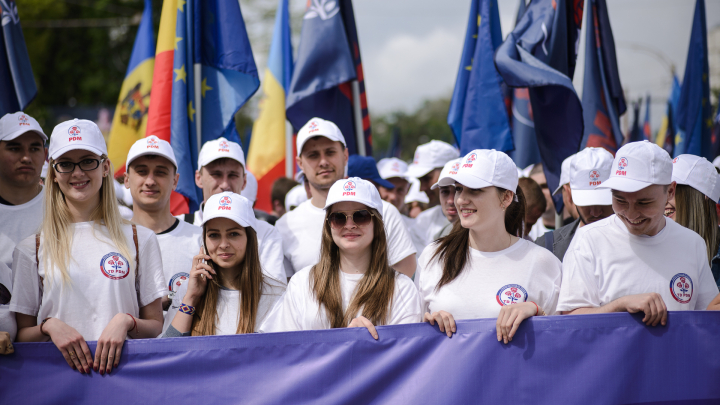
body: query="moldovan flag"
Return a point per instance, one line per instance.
(266, 154)
(131, 113)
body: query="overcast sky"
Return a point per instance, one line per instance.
(411, 48)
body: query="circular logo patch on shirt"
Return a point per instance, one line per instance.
(114, 266)
(176, 281)
(681, 288)
(511, 294)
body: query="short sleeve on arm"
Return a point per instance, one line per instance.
(407, 306)
(578, 288)
(271, 253)
(151, 280)
(27, 291)
(400, 243)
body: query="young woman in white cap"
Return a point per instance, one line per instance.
(352, 285)
(696, 195)
(88, 274)
(227, 292)
(483, 268)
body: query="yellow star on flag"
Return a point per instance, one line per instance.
(177, 39)
(181, 3)
(181, 74)
(204, 87)
(191, 112)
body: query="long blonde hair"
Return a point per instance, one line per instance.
(249, 280)
(696, 212)
(375, 291)
(56, 236)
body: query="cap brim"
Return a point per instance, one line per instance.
(557, 190)
(623, 184)
(585, 198)
(205, 163)
(418, 171)
(238, 221)
(466, 180)
(445, 181)
(67, 148)
(147, 153)
(23, 132)
(383, 183)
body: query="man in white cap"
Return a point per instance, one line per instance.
(637, 260)
(221, 167)
(22, 155)
(587, 170)
(151, 176)
(447, 196)
(426, 166)
(323, 157)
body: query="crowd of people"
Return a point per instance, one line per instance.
(349, 242)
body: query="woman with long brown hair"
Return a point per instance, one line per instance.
(227, 292)
(352, 285)
(484, 268)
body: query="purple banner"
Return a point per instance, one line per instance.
(603, 359)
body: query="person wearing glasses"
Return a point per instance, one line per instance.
(227, 292)
(87, 274)
(484, 268)
(352, 285)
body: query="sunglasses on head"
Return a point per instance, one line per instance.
(360, 218)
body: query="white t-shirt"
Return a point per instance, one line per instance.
(430, 222)
(524, 272)
(229, 306)
(418, 239)
(298, 309)
(102, 281)
(269, 247)
(7, 318)
(605, 262)
(301, 231)
(19, 222)
(178, 247)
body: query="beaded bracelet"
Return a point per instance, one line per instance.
(187, 309)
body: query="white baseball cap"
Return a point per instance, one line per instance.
(392, 167)
(588, 169)
(76, 134)
(19, 123)
(218, 149)
(296, 196)
(430, 156)
(564, 173)
(414, 193)
(231, 206)
(484, 168)
(318, 127)
(450, 168)
(638, 165)
(698, 173)
(251, 187)
(152, 145)
(357, 190)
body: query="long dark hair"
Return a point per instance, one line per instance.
(249, 281)
(453, 250)
(375, 291)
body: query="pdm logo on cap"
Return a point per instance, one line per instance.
(470, 159)
(622, 165)
(225, 204)
(454, 168)
(511, 294)
(313, 127)
(114, 266)
(223, 146)
(74, 133)
(681, 288)
(594, 178)
(152, 143)
(23, 120)
(349, 188)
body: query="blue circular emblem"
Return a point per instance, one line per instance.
(114, 266)
(681, 288)
(176, 281)
(511, 294)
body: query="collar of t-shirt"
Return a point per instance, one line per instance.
(657, 237)
(172, 228)
(5, 202)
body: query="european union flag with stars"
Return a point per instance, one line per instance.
(214, 75)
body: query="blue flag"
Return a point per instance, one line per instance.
(635, 131)
(328, 61)
(16, 77)
(602, 98)
(213, 49)
(694, 118)
(477, 115)
(538, 55)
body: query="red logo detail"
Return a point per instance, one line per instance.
(313, 127)
(675, 160)
(23, 120)
(225, 201)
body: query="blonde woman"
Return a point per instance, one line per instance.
(227, 292)
(88, 274)
(352, 285)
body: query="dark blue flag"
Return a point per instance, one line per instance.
(477, 115)
(602, 96)
(538, 54)
(328, 61)
(694, 115)
(635, 131)
(17, 83)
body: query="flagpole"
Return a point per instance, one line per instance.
(289, 150)
(357, 118)
(198, 104)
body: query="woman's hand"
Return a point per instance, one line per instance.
(510, 318)
(6, 346)
(70, 343)
(362, 322)
(445, 321)
(199, 275)
(110, 344)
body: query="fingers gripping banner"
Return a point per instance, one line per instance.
(603, 359)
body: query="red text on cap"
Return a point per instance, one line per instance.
(23, 120)
(74, 132)
(348, 188)
(470, 159)
(313, 127)
(152, 143)
(454, 168)
(225, 204)
(594, 178)
(622, 164)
